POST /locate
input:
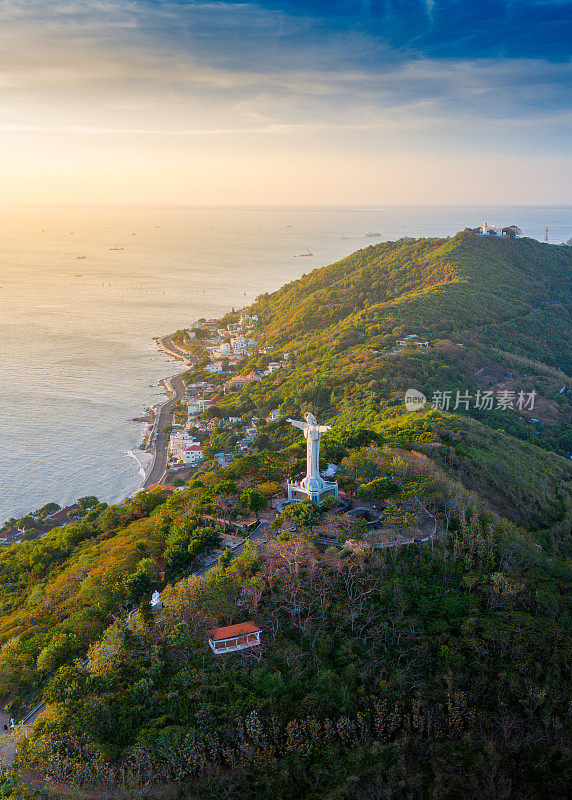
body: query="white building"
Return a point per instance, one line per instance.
(192, 454)
(196, 405)
(238, 343)
(216, 366)
(492, 230)
(183, 447)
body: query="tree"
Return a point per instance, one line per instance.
(224, 491)
(397, 518)
(49, 508)
(378, 489)
(332, 449)
(305, 515)
(225, 488)
(88, 501)
(359, 467)
(141, 548)
(347, 483)
(225, 558)
(251, 500)
(144, 580)
(512, 231)
(56, 652)
(354, 437)
(222, 588)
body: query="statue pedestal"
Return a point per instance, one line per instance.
(311, 489)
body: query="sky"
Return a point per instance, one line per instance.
(317, 102)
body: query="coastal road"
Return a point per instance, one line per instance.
(160, 437)
(167, 344)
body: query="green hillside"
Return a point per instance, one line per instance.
(431, 671)
(496, 313)
(510, 293)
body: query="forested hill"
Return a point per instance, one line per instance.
(433, 666)
(509, 293)
(485, 316)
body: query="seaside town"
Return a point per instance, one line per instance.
(188, 434)
(223, 351)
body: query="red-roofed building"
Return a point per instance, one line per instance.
(234, 637)
(238, 381)
(164, 486)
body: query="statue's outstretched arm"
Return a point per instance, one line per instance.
(296, 424)
(324, 428)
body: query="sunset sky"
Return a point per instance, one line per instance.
(337, 102)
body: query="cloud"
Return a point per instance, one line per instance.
(225, 68)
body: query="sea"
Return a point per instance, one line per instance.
(83, 291)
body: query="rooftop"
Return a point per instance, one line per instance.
(217, 634)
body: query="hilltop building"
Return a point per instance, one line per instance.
(512, 231)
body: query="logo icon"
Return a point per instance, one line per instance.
(414, 400)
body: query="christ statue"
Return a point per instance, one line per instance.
(312, 432)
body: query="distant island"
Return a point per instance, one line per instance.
(221, 634)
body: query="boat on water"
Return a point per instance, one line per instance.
(80, 258)
(116, 248)
(370, 235)
(344, 237)
(304, 255)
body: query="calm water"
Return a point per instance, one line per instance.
(76, 350)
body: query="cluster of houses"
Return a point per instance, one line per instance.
(234, 342)
(230, 345)
(412, 340)
(224, 350)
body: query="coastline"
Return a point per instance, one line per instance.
(155, 438)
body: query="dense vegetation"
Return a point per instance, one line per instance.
(426, 671)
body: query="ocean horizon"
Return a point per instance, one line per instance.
(79, 316)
